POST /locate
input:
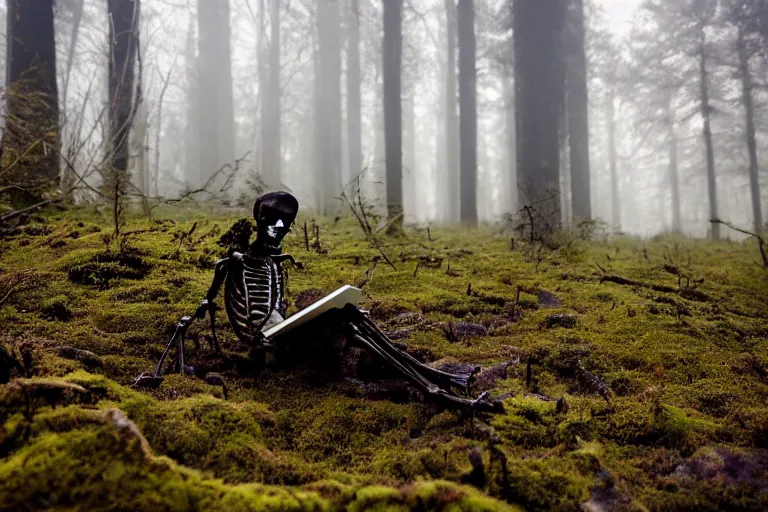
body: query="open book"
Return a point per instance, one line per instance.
(338, 299)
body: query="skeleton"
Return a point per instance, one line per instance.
(254, 300)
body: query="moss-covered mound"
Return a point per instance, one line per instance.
(634, 375)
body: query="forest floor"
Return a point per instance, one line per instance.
(634, 374)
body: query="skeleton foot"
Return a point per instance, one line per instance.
(153, 380)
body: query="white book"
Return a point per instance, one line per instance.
(338, 299)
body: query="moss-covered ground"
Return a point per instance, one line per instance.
(675, 329)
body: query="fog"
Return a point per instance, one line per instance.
(210, 100)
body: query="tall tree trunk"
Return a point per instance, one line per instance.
(68, 177)
(32, 110)
(328, 106)
(578, 112)
(441, 181)
(612, 161)
(707, 133)
(511, 203)
(354, 142)
(77, 17)
(123, 35)
(749, 114)
(216, 126)
(468, 112)
(271, 154)
(674, 179)
(410, 183)
(539, 94)
(452, 178)
(192, 169)
(392, 50)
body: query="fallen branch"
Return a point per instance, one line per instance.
(593, 381)
(761, 243)
(631, 282)
(28, 209)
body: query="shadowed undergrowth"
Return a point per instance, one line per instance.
(636, 375)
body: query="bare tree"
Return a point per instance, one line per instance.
(468, 111)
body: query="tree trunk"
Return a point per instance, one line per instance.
(578, 113)
(77, 17)
(539, 91)
(410, 183)
(354, 142)
(612, 162)
(674, 179)
(440, 174)
(392, 50)
(328, 106)
(68, 177)
(192, 170)
(32, 110)
(452, 178)
(707, 133)
(468, 112)
(271, 154)
(749, 114)
(216, 126)
(511, 203)
(123, 35)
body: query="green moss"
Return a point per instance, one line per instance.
(687, 370)
(56, 308)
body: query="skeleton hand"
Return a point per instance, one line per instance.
(205, 307)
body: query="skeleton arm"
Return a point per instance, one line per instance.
(208, 304)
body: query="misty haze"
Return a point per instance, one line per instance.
(465, 255)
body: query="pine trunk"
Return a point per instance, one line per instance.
(216, 126)
(613, 163)
(674, 179)
(749, 114)
(393, 142)
(451, 117)
(123, 35)
(707, 134)
(578, 113)
(271, 152)
(539, 94)
(328, 107)
(354, 142)
(468, 112)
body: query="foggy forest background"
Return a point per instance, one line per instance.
(455, 111)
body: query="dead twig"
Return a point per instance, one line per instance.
(761, 244)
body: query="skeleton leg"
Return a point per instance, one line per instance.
(431, 381)
(443, 379)
(212, 314)
(148, 379)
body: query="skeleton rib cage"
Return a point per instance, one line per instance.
(253, 291)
